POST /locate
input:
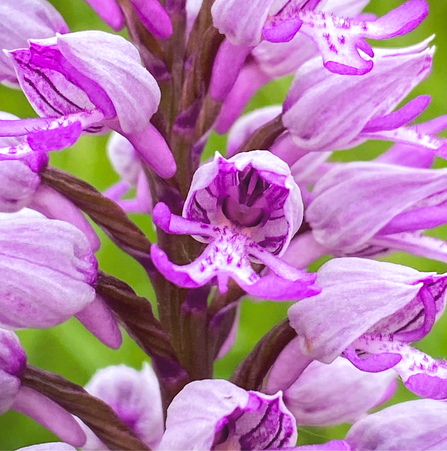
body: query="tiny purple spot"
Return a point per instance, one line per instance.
(341, 39)
(332, 48)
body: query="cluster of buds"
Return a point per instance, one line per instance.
(245, 224)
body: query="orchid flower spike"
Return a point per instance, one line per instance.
(20, 21)
(134, 396)
(247, 209)
(48, 275)
(87, 81)
(326, 112)
(383, 207)
(28, 401)
(369, 311)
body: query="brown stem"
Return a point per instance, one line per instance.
(195, 337)
(252, 370)
(96, 414)
(264, 136)
(219, 328)
(106, 213)
(135, 312)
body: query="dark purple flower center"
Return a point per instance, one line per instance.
(261, 425)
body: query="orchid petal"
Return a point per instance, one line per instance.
(154, 17)
(339, 40)
(241, 21)
(56, 446)
(398, 118)
(227, 66)
(54, 205)
(287, 368)
(276, 288)
(134, 396)
(99, 319)
(19, 185)
(114, 63)
(12, 366)
(124, 158)
(153, 150)
(252, 182)
(48, 269)
(411, 425)
(22, 21)
(303, 250)
(374, 363)
(414, 243)
(345, 283)
(414, 156)
(326, 395)
(249, 80)
(223, 414)
(177, 225)
(336, 108)
(222, 258)
(109, 11)
(420, 373)
(333, 445)
(400, 189)
(412, 136)
(48, 90)
(50, 415)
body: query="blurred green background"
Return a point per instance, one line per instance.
(75, 354)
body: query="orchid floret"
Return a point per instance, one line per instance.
(340, 40)
(401, 201)
(88, 81)
(326, 112)
(134, 396)
(375, 337)
(247, 209)
(215, 414)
